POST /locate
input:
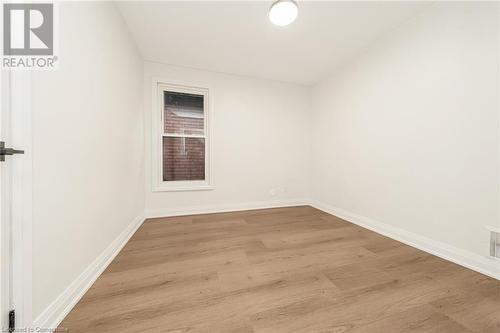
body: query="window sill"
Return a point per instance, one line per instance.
(181, 188)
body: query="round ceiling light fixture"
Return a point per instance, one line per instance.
(283, 12)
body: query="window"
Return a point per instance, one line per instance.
(183, 138)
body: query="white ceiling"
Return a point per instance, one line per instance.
(237, 37)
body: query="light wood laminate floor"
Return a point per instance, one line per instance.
(284, 270)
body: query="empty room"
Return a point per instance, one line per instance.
(250, 166)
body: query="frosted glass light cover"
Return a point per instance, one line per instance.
(283, 12)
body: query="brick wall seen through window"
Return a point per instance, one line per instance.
(184, 137)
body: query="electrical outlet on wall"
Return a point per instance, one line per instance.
(278, 191)
(495, 242)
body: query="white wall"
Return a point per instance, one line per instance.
(88, 146)
(260, 138)
(408, 133)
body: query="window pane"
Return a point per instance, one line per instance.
(183, 113)
(183, 159)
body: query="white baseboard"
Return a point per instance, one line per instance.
(62, 305)
(482, 264)
(53, 315)
(192, 210)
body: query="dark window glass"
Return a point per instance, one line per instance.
(183, 113)
(183, 158)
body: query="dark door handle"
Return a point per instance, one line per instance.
(8, 151)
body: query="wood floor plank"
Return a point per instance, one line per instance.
(422, 319)
(294, 269)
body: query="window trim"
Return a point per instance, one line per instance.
(158, 133)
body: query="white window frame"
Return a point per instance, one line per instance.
(158, 132)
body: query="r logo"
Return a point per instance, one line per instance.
(28, 29)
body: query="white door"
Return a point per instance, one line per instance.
(14, 208)
(5, 207)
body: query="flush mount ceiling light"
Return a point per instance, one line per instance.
(283, 12)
